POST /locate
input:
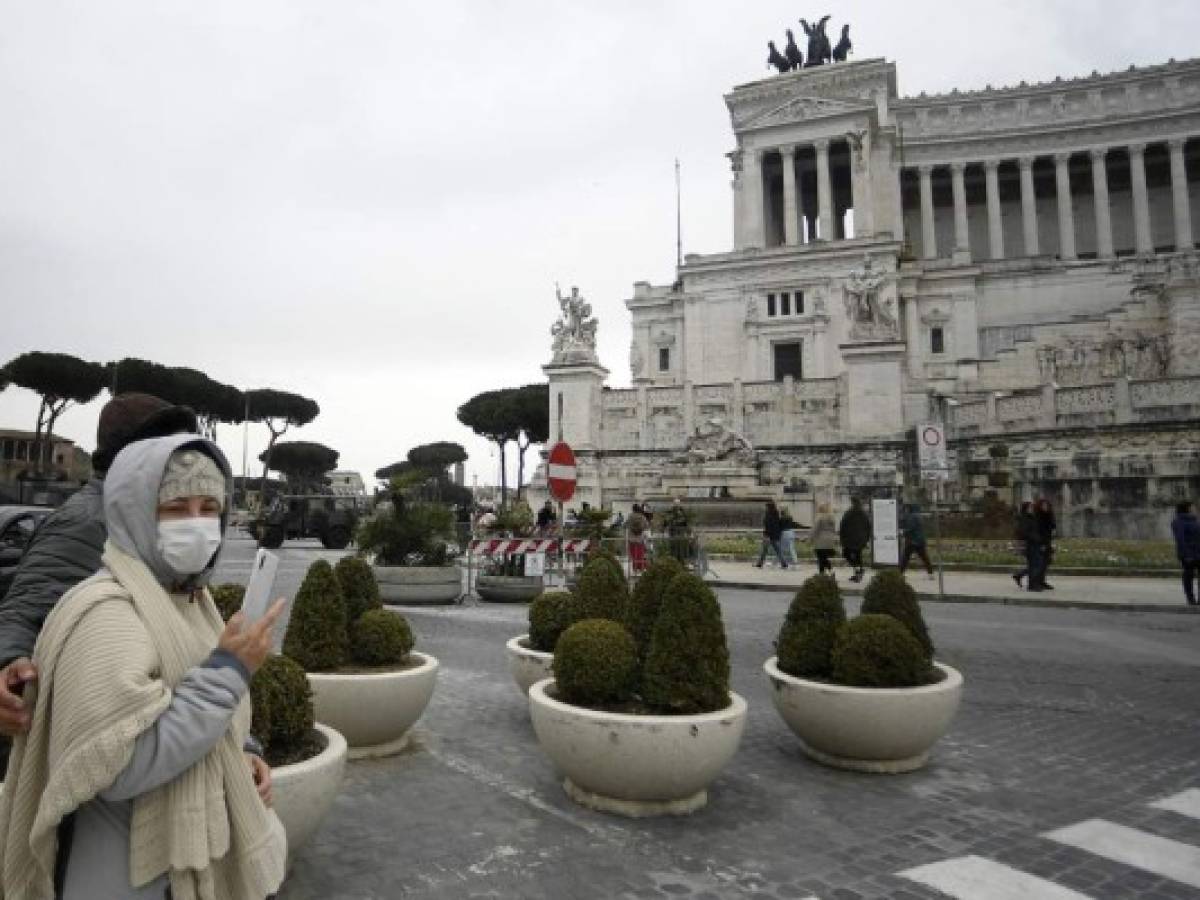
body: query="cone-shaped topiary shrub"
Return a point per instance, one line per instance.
(359, 587)
(598, 551)
(228, 598)
(646, 599)
(316, 637)
(550, 614)
(687, 665)
(595, 662)
(603, 592)
(810, 628)
(877, 651)
(380, 638)
(890, 594)
(282, 706)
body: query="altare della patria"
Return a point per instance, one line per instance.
(1017, 263)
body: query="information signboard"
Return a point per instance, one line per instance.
(885, 533)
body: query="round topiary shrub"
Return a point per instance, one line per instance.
(889, 594)
(282, 709)
(380, 638)
(810, 628)
(646, 599)
(595, 663)
(228, 598)
(599, 551)
(877, 651)
(603, 592)
(550, 614)
(316, 637)
(359, 587)
(687, 664)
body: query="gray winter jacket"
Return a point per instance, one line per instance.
(64, 551)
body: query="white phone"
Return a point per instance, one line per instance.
(257, 599)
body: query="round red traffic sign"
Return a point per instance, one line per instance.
(560, 469)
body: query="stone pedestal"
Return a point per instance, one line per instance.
(711, 480)
(874, 388)
(575, 404)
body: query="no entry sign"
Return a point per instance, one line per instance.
(561, 472)
(931, 447)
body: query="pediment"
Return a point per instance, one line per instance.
(804, 109)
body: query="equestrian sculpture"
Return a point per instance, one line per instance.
(792, 52)
(843, 48)
(819, 51)
(774, 58)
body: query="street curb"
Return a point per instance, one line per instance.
(975, 598)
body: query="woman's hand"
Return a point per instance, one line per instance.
(261, 773)
(251, 644)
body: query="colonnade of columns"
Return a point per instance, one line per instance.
(1144, 242)
(796, 206)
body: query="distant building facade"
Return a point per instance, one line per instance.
(1017, 263)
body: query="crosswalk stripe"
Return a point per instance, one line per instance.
(1186, 803)
(976, 878)
(1149, 852)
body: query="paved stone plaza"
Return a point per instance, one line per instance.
(1069, 716)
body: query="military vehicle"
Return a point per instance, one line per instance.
(330, 517)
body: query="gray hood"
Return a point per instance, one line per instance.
(131, 501)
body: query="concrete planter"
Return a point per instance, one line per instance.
(374, 710)
(526, 665)
(419, 585)
(304, 791)
(509, 588)
(635, 765)
(882, 730)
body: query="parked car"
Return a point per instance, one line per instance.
(17, 525)
(330, 517)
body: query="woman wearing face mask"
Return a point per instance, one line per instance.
(131, 782)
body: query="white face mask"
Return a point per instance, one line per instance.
(186, 545)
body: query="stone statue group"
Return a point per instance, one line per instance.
(820, 51)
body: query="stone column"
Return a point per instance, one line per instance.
(1104, 237)
(1029, 218)
(791, 217)
(1066, 215)
(1143, 240)
(1179, 192)
(912, 336)
(860, 187)
(928, 225)
(962, 234)
(824, 190)
(991, 171)
(752, 174)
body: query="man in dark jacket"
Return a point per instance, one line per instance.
(1186, 529)
(772, 531)
(913, 530)
(66, 548)
(854, 531)
(1030, 539)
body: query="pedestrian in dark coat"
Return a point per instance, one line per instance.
(855, 533)
(1028, 536)
(1043, 512)
(914, 539)
(1186, 529)
(772, 532)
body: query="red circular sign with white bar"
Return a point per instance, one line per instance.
(560, 470)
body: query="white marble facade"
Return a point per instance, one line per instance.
(1019, 243)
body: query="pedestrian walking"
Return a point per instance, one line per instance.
(1187, 547)
(787, 538)
(144, 708)
(1029, 539)
(1043, 512)
(772, 532)
(824, 539)
(855, 533)
(914, 539)
(638, 526)
(546, 518)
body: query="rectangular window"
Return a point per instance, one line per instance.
(937, 340)
(664, 359)
(799, 298)
(787, 361)
(785, 304)
(770, 304)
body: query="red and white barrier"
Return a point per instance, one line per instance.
(506, 546)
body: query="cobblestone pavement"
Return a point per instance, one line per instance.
(1068, 716)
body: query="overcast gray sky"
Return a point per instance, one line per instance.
(369, 203)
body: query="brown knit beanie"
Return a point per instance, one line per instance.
(135, 417)
(190, 473)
